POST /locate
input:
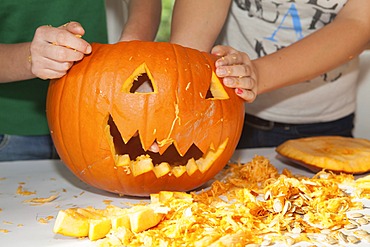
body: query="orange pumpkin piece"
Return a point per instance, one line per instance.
(108, 111)
(334, 153)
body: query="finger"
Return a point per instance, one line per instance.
(245, 83)
(71, 41)
(74, 27)
(240, 70)
(221, 50)
(47, 74)
(62, 54)
(232, 59)
(63, 37)
(47, 69)
(247, 95)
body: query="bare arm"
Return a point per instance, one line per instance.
(14, 62)
(196, 24)
(143, 20)
(336, 43)
(331, 46)
(50, 54)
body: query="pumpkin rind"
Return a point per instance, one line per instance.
(177, 112)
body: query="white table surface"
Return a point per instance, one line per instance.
(49, 177)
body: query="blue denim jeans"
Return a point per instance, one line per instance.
(13, 147)
(261, 133)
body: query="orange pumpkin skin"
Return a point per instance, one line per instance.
(176, 114)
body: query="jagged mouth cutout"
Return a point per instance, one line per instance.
(136, 160)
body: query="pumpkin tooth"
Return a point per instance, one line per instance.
(141, 165)
(205, 162)
(191, 166)
(161, 169)
(122, 160)
(178, 170)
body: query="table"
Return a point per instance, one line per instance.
(50, 177)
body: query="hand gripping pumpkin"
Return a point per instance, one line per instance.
(108, 111)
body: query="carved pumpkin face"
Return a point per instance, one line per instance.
(123, 99)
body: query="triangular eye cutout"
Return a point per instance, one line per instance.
(216, 90)
(140, 81)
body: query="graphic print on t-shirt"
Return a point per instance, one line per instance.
(279, 23)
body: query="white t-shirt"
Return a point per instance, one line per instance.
(260, 27)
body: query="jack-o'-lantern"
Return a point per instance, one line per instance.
(108, 111)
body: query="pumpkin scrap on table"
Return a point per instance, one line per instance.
(334, 153)
(110, 108)
(239, 210)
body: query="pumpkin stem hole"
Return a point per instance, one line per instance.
(142, 84)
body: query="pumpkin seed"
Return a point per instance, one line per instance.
(277, 206)
(266, 242)
(356, 215)
(305, 197)
(326, 231)
(337, 227)
(289, 241)
(367, 238)
(330, 240)
(287, 206)
(343, 237)
(308, 182)
(352, 239)
(361, 233)
(296, 230)
(350, 226)
(362, 221)
(267, 195)
(354, 222)
(293, 197)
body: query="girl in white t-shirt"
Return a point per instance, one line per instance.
(299, 57)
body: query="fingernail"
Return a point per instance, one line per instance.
(239, 91)
(227, 81)
(88, 49)
(221, 71)
(220, 62)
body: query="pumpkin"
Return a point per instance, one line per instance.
(110, 108)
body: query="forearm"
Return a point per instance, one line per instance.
(314, 55)
(197, 24)
(143, 20)
(14, 62)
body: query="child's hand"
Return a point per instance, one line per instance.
(237, 71)
(55, 49)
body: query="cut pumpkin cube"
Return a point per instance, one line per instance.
(164, 196)
(143, 218)
(70, 223)
(97, 223)
(99, 228)
(118, 216)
